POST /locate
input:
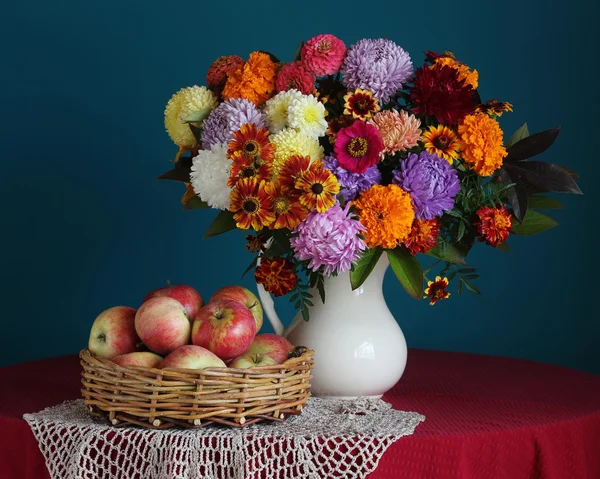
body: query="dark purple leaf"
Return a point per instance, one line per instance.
(546, 176)
(572, 174)
(517, 196)
(532, 145)
(181, 171)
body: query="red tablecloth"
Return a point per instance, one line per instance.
(487, 418)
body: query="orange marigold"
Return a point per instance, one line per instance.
(387, 213)
(423, 236)
(254, 80)
(468, 76)
(276, 275)
(481, 143)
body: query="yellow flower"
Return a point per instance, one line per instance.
(289, 142)
(194, 99)
(481, 143)
(468, 76)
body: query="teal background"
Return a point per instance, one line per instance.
(86, 225)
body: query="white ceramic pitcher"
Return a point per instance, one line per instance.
(359, 348)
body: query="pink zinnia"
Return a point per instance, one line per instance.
(324, 54)
(295, 76)
(399, 130)
(358, 147)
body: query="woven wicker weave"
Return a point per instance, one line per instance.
(164, 398)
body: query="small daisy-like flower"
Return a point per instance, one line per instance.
(495, 107)
(195, 99)
(255, 243)
(209, 175)
(291, 170)
(252, 142)
(286, 206)
(276, 109)
(318, 188)
(361, 104)
(307, 115)
(436, 290)
(251, 205)
(399, 130)
(493, 225)
(276, 275)
(423, 236)
(248, 167)
(323, 54)
(289, 142)
(481, 143)
(330, 90)
(358, 147)
(441, 141)
(295, 76)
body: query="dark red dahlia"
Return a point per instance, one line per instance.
(438, 92)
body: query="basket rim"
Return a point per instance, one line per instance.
(85, 353)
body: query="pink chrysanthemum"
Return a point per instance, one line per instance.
(324, 54)
(399, 130)
(358, 147)
(329, 240)
(295, 76)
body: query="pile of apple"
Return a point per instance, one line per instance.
(173, 328)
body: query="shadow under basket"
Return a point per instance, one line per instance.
(189, 398)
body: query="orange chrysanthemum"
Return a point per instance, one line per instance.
(387, 213)
(318, 188)
(276, 275)
(251, 205)
(493, 225)
(465, 74)
(246, 167)
(481, 143)
(252, 142)
(442, 141)
(286, 206)
(291, 170)
(254, 80)
(423, 236)
(436, 290)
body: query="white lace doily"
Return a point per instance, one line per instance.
(330, 439)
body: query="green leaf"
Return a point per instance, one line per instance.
(533, 223)
(364, 266)
(544, 203)
(195, 203)
(518, 135)
(503, 247)
(321, 288)
(408, 271)
(222, 223)
(448, 253)
(250, 266)
(461, 231)
(181, 170)
(197, 116)
(297, 54)
(471, 287)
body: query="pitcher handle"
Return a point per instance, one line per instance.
(267, 302)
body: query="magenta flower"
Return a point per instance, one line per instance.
(324, 54)
(358, 147)
(329, 240)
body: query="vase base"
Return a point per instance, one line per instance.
(346, 398)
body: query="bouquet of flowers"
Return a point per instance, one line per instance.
(345, 153)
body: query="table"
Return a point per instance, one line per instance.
(487, 417)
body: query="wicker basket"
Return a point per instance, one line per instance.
(165, 398)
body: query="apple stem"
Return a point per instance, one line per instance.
(168, 283)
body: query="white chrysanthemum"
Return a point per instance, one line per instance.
(277, 109)
(307, 114)
(289, 142)
(210, 171)
(193, 99)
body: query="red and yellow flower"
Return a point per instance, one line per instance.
(361, 104)
(442, 141)
(495, 107)
(423, 236)
(255, 243)
(251, 205)
(436, 290)
(252, 142)
(247, 167)
(286, 206)
(317, 187)
(276, 275)
(291, 170)
(493, 225)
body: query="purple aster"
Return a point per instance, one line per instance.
(329, 239)
(379, 65)
(352, 183)
(227, 118)
(431, 183)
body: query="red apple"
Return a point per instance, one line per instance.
(244, 296)
(271, 345)
(249, 360)
(142, 359)
(163, 325)
(227, 328)
(192, 357)
(113, 333)
(186, 295)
